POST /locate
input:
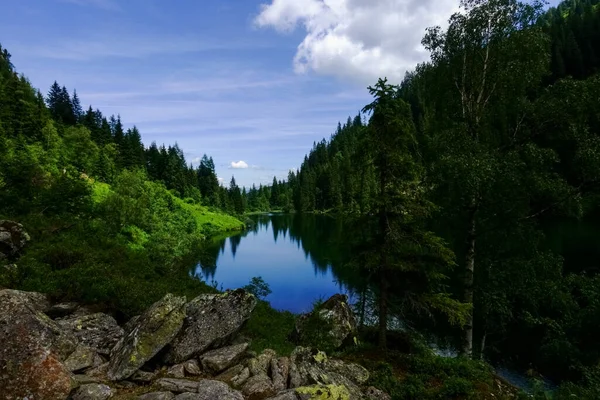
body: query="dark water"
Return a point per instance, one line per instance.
(304, 258)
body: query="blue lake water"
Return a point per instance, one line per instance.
(273, 252)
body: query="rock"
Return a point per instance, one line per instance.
(354, 372)
(38, 301)
(176, 371)
(83, 379)
(98, 331)
(212, 319)
(143, 376)
(280, 369)
(258, 387)
(209, 390)
(61, 310)
(312, 367)
(13, 239)
(129, 325)
(192, 367)
(177, 385)
(372, 393)
(157, 396)
(32, 348)
(322, 392)
(286, 395)
(219, 360)
(98, 372)
(241, 378)
(83, 357)
(154, 329)
(93, 391)
(261, 364)
(338, 314)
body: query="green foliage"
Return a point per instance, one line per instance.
(432, 377)
(269, 328)
(316, 330)
(258, 287)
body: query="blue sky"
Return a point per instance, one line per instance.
(252, 83)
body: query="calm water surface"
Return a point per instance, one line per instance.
(278, 249)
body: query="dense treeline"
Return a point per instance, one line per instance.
(507, 140)
(112, 223)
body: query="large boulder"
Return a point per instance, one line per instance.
(311, 367)
(338, 316)
(154, 329)
(32, 349)
(219, 360)
(99, 331)
(13, 239)
(211, 321)
(83, 357)
(258, 387)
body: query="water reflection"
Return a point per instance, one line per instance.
(300, 257)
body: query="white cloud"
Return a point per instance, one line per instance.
(239, 165)
(358, 39)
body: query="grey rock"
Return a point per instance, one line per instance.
(129, 325)
(209, 389)
(219, 360)
(98, 331)
(314, 392)
(212, 319)
(261, 364)
(312, 367)
(157, 396)
(241, 377)
(13, 239)
(93, 391)
(32, 348)
(192, 367)
(176, 371)
(280, 369)
(372, 393)
(258, 387)
(286, 395)
(83, 357)
(61, 310)
(154, 329)
(177, 385)
(338, 314)
(83, 379)
(38, 301)
(98, 372)
(143, 376)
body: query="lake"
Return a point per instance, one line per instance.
(294, 254)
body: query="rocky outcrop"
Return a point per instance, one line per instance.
(13, 239)
(98, 331)
(32, 350)
(83, 357)
(38, 355)
(209, 390)
(93, 391)
(211, 320)
(219, 360)
(339, 317)
(157, 396)
(312, 367)
(153, 331)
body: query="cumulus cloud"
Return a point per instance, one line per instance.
(358, 39)
(239, 165)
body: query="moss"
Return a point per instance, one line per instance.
(320, 357)
(325, 392)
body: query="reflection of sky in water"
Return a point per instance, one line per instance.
(295, 281)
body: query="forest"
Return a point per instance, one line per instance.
(450, 180)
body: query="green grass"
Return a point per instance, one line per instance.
(269, 329)
(211, 222)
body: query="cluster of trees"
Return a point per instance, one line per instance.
(121, 239)
(497, 135)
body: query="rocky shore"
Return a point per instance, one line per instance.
(176, 349)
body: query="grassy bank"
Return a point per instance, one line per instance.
(119, 247)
